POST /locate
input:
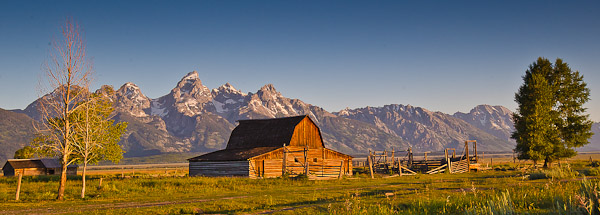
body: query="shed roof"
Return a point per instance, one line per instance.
(35, 163)
(233, 154)
(24, 163)
(263, 132)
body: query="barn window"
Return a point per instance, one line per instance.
(314, 159)
(296, 160)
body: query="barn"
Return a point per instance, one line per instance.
(266, 148)
(44, 166)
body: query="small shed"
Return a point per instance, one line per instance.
(264, 148)
(43, 166)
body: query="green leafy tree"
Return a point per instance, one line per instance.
(573, 124)
(96, 134)
(26, 152)
(550, 120)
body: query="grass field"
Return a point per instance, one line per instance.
(164, 190)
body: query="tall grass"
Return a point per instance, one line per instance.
(556, 173)
(494, 192)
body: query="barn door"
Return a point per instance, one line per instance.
(260, 168)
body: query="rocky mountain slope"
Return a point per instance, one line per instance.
(426, 130)
(16, 130)
(495, 120)
(594, 144)
(194, 118)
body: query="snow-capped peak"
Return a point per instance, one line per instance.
(191, 84)
(130, 85)
(130, 90)
(131, 99)
(228, 86)
(268, 87)
(192, 75)
(228, 89)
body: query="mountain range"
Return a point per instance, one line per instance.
(194, 118)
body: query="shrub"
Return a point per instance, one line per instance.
(554, 173)
(592, 172)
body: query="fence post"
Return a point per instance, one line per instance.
(467, 154)
(100, 184)
(19, 186)
(307, 170)
(341, 170)
(283, 166)
(305, 161)
(448, 164)
(370, 164)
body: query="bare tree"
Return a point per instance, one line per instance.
(66, 72)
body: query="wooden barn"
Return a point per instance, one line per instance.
(44, 166)
(265, 148)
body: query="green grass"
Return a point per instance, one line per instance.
(490, 192)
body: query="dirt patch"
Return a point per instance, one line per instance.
(289, 209)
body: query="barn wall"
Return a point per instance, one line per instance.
(265, 168)
(8, 170)
(219, 168)
(306, 133)
(57, 171)
(31, 171)
(71, 171)
(322, 163)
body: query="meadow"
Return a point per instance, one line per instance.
(571, 188)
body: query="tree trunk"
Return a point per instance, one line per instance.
(83, 180)
(546, 163)
(63, 179)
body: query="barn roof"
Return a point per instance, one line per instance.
(35, 163)
(24, 163)
(263, 132)
(233, 154)
(255, 137)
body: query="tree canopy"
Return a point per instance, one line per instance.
(550, 121)
(25, 153)
(96, 133)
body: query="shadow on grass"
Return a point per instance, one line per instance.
(275, 208)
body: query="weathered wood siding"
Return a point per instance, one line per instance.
(307, 133)
(38, 171)
(322, 162)
(70, 171)
(220, 168)
(25, 172)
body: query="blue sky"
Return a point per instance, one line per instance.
(444, 56)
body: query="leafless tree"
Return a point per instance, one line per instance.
(67, 74)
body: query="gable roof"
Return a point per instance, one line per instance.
(24, 163)
(35, 163)
(263, 132)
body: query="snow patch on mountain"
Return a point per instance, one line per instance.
(157, 109)
(219, 106)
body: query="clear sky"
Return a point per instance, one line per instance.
(441, 55)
